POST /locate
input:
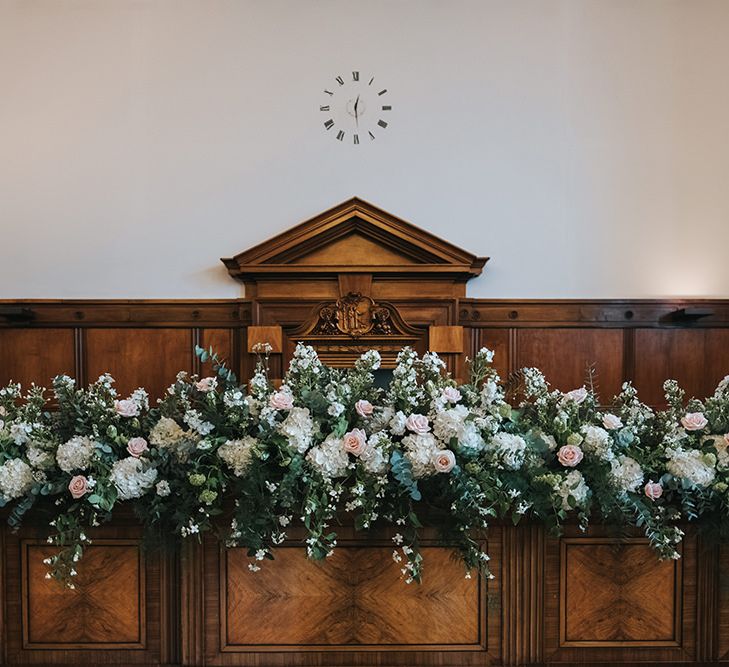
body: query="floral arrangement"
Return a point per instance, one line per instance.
(251, 461)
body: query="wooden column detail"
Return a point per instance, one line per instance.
(522, 594)
(192, 604)
(707, 602)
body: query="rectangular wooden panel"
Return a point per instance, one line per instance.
(697, 358)
(564, 355)
(496, 340)
(222, 342)
(105, 610)
(354, 598)
(35, 355)
(617, 593)
(148, 358)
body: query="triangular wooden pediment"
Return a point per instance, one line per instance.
(355, 237)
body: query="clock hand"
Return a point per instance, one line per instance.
(356, 117)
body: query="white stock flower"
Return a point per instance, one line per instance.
(131, 479)
(75, 454)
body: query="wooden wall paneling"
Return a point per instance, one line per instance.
(194, 608)
(351, 609)
(564, 355)
(697, 358)
(30, 355)
(609, 599)
(707, 600)
(523, 594)
(114, 616)
(148, 358)
(722, 593)
(224, 343)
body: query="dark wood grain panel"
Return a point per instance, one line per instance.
(697, 358)
(223, 343)
(617, 593)
(722, 578)
(106, 608)
(35, 355)
(354, 598)
(564, 355)
(148, 358)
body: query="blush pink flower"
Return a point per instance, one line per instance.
(611, 422)
(444, 460)
(576, 395)
(694, 421)
(451, 395)
(569, 455)
(281, 400)
(653, 490)
(137, 446)
(78, 486)
(364, 408)
(206, 384)
(355, 441)
(418, 424)
(126, 408)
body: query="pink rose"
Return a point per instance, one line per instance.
(576, 395)
(364, 408)
(281, 400)
(355, 441)
(653, 490)
(418, 424)
(451, 395)
(78, 486)
(126, 408)
(569, 455)
(137, 446)
(206, 384)
(694, 421)
(611, 422)
(444, 460)
(726, 438)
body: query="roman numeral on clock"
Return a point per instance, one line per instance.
(382, 124)
(329, 124)
(383, 91)
(356, 138)
(329, 92)
(340, 135)
(372, 136)
(355, 76)
(340, 80)
(324, 108)
(385, 108)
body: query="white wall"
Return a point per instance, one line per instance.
(582, 144)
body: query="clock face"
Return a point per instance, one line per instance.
(355, 108)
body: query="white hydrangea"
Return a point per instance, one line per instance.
(573, 485)
(510, 449)
(597, 441)
(131, 478)
(397, 423)
(298, 427)
(419, 450)
(39, 458)
(626, 473)
(448, 423)
(330, 458)
(166, 433)
(721, 445)
(20, 432)
(75, 454)
(690, 465)
(469, 438)
(373, 457)
(238, 454)
(16, 478)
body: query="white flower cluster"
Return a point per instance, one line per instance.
(510, 450)
(75, 454)
(573, 486)
(597, 441)
(131, 478)
(167, 433)
(626, 473)
(690, 465)
(329, 458)
(420, 451)
(16, 478)
(298, 427)
(238, 454)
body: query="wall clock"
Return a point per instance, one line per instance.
(355, 108)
